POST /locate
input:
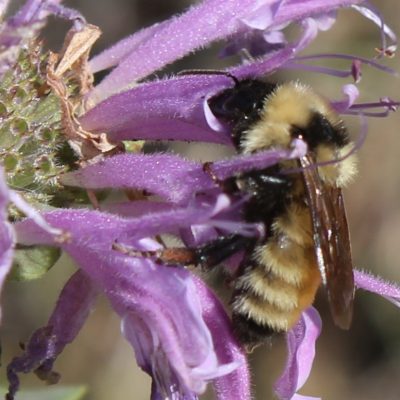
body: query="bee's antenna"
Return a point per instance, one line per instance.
(209, 72)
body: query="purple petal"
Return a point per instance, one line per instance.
(262, 159)
(171, 109)
(256, 43)
(161, 317)
(235, 385)
(209, 21)
(295, 10)
(370, 12)
(137, 208)
(168, 110)
(163, 346)
(325, 21)
(351, 93)
(115, 54)
(266, 65)
(390, 291)
(310, 32)
(158, 304)
(262, 17)
(177, 183)
(29, 15)
(180, 179)
(34, 214)
(301, 351)
(275, 37)
(45, 345)
(200, 25)
(66, 13)
(213, 212)
(32, 11)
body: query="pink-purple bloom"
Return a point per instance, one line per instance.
(179, 331)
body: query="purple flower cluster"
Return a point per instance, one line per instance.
(178, 329)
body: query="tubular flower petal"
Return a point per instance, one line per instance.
(181, 178)
(377, 285)
(237, 383)
(159, 306)
(73, 307)
(201, 25)
(301, 351)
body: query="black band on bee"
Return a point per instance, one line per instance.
(250, 332)
(321, 131)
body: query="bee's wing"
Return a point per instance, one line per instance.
(332, 243)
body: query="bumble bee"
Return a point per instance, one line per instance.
(299, 202)
(303, 212)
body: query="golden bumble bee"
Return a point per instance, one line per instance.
(303, 212)
(299, 202)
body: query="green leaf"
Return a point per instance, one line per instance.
(33, 262)
(51, 393)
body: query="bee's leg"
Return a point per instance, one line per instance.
(207, 256)
(220, 249)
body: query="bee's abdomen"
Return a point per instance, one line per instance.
(279, 281)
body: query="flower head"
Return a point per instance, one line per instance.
(179, 331)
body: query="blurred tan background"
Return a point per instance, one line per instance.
(362, 364)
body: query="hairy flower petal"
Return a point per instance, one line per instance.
(116, 53)
(172, 109)
(137, 208)
(177, 184)
(301, 351)
(235, 385)
(46, 344)
(167, 109)
(262, 17)
(200, 25)
(180, 179)
(34, 214)
(373, 15)
(174, 355)
(351, 93)
(158, 304)
(390, 291)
